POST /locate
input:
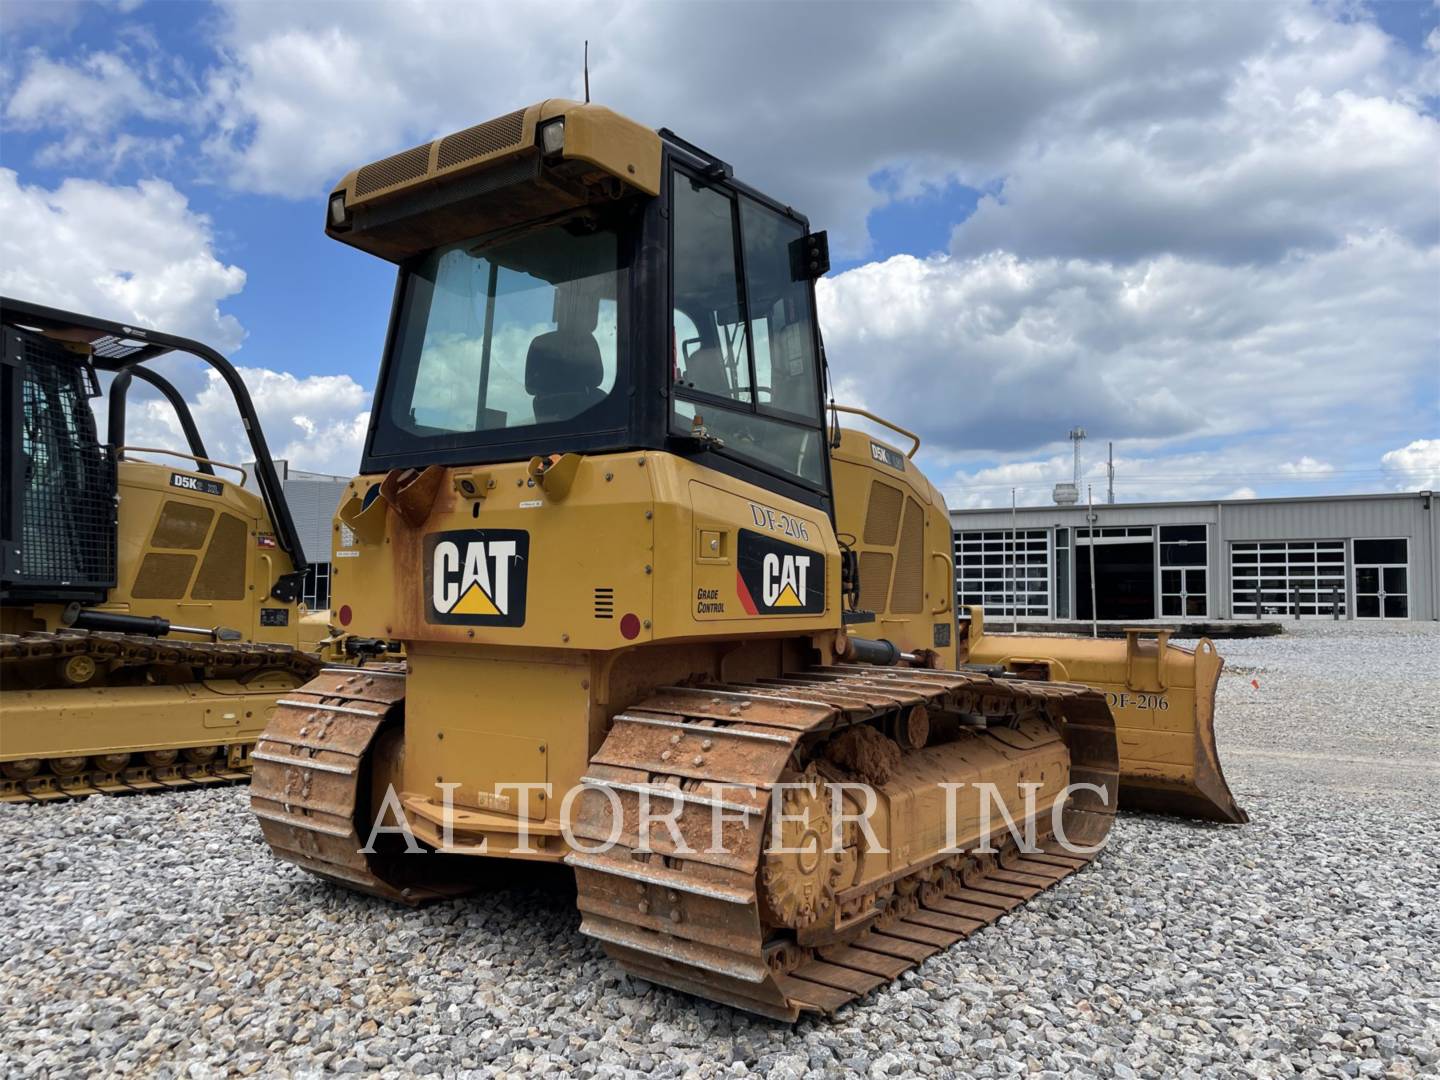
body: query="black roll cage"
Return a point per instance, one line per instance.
(122, 350)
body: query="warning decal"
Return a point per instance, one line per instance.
(476, 577)
(777, 578)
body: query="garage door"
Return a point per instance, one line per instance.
(1288, 575)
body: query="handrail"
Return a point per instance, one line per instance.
(857, 411)
(244, 476)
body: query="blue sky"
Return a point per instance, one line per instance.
(1207, 232)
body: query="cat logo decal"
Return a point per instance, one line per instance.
(777, 578)
(476, 577)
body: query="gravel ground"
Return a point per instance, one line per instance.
(156, 936)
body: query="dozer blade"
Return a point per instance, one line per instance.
(1163, 698)
(1194, 786)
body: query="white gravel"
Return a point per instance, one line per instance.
(156, 936)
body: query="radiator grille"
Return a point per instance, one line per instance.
(66, 493)
(882, 517)
(222, 574)
(163, 576)
(482, 139)
(398, 169)
(909, 591)
(182, 526)
(874, 579)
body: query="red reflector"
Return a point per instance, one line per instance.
(630, 627)
(345, 614)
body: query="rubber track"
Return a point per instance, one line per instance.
(694, 922)
(112, 652)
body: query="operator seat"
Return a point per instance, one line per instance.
(705, 370)
(563, 372)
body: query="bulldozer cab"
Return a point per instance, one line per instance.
(614, 289)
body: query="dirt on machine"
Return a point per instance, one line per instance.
(602, 506)
(150, 614)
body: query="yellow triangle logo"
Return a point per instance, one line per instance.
(475, 602)
(787, 598)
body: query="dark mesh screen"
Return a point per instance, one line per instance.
(66, 479)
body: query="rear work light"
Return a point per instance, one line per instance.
(552, 138)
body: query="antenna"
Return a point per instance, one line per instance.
(1110, 475)
(587, 71)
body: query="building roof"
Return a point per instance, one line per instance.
(1290, 499)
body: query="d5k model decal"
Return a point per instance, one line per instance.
(776, 578)
(476, 577)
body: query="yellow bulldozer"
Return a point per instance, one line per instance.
(150, 612)
(1162, 695)
(666, 622)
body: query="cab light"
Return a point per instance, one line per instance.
(552, 137)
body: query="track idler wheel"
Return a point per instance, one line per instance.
(200, 755)
(23, 769)
(77, 670)
(801, 870)
(111, 763)
(161, 759)
(68, 766)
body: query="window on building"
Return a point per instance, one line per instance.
(1062, 573)
(1283, 577)
(1005, 572)
(315, 593)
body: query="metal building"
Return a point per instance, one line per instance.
(1342, 556)
(313, 499)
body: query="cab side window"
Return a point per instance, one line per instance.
(712, 347)
(743, 348)
(781, 323)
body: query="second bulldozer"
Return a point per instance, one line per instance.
(149, 609)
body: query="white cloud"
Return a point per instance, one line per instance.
(134, 254)
(1235, 471)
(93, 93)
(1414, 466)
(1306, 467)
(1205, 224)
(316, 423)
(1234, 130)
(106, 153)
(1003, 354)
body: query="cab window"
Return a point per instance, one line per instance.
(496, 338)
(712, 349)
(743, 347)
(781, 322)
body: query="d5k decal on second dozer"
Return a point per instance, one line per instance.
(476, 577)
(776, 578)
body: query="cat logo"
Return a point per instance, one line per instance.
(784, 577)
(776, 578)
(476, 577)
